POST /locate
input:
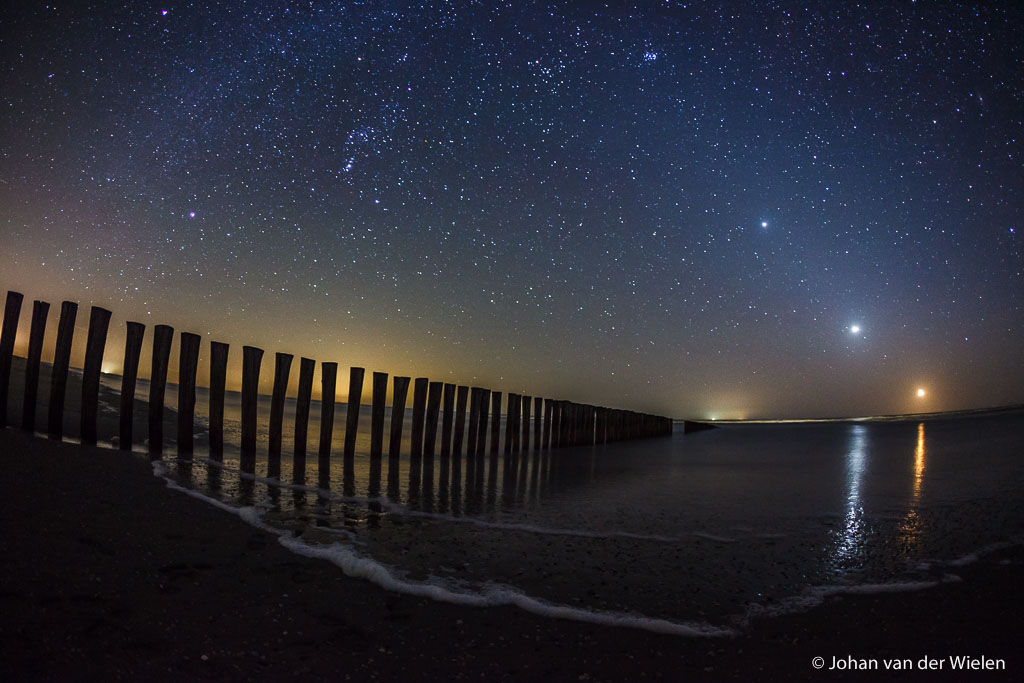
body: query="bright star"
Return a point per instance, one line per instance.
(764, 224)
(855, 329)
(920, 393)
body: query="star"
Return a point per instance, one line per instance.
(855, 329)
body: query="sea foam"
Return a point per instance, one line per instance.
(355, 565)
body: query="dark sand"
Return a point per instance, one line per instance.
(109, 575)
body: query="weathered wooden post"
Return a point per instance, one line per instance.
(515, 411)
(328, 392)
(419, 407)
(496, 420)
(12, 312)
(400, 393)
(538, 403)
(447, 420)
(188, 365)
(461, 393)
(35, 357)
(561, 415)
(474, 421)
(565, 420)
(546, 435)
(129, 378)
(282, 368)
(526, 423)
(433, 411)
(252, 357)
(380, 392)
(99, 322)
(307, 366)
(59, 372)
(508, 428)
(355, 397)
(553, 427)
(481, 437)
(162, 338)
(218, 380)
(576, 425)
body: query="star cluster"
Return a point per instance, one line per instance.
(673, 206)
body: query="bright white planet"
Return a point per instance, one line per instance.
(855, 329)
(920, 393)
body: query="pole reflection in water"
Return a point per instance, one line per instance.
(489, 482)
(849, 550)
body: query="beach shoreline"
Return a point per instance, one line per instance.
(110, 574)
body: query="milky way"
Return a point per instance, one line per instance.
(677, 207)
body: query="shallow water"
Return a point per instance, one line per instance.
(690, 534)
(704, 530)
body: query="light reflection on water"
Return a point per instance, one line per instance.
(910, 529)
(849, 551)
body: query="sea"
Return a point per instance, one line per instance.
(694, 534)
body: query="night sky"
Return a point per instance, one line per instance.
(695, 209)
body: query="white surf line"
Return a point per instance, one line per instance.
(713, 537)
(813, 596)
(439, 589)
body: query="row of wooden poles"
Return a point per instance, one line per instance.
(564, 423)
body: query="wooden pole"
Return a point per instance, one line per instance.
(99, 322)
(398, 398)
(162, 338)
(399, 394)
(188, 364)
(496, 420)
(328, 392)
(282, 368)
(448, 420)
(218, 379)
(302, 402)
(474, 421)
(252, 357)
(481, 437)
(546, 435)
(461, 394)
(419, 406)
(433, 410)
(508, 425)
(355, 397)
(59, 373)
(129, 378)
(515, 411)
(380, 391)
(537, 423)
(35, 356)
(12, 312)
(525, 445)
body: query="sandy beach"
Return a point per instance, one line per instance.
(109, 574)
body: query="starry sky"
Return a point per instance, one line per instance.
(697, 209)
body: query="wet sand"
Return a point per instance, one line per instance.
(109, 575)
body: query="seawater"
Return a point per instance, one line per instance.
(690, 534)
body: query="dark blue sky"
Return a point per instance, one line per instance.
(678, 207)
